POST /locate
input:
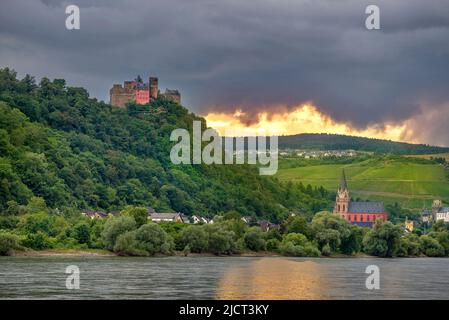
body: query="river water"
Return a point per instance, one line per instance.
(222, 278)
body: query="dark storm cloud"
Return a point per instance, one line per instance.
(256, 55)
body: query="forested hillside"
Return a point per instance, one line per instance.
(341, 142)
(76, 152)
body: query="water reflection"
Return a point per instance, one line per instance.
(222, 278)
(269, 278)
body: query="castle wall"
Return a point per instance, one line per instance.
(120, 96)
(142, 96)
(172, 95)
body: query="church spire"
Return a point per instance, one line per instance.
(343, 184)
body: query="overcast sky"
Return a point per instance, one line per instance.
(256, 55)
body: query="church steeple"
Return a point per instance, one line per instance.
(343, 184)
(342, 200)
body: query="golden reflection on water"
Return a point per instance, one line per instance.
(273, 278)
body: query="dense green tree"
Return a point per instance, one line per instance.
(298, 224)
(352, 242)
(409, 245)
(33, 223)
(329, 238)
(38, 241)
(272, 244)
(221, 240)
(439, 226)
(232, 215)
(115, 227)
(443, 239)
(140, 215)
(296, 244)
(126, 244)
(254, 240)
(430, 247)
(383, 240)
(8, 242)
(36, 205)
(8, 222)
(195, 237)
(152, 239)
(398, 214)
(81, 233)
(336, 234)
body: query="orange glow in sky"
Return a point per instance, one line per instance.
(304, 119)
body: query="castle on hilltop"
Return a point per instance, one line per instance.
(140, 92)
(361, 213)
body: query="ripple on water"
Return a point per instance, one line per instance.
(222, 278)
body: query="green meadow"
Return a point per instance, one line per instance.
(407, 181)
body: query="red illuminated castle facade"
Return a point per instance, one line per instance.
(140, 92)
(361, 213)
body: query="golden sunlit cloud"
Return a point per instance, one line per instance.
(303, 119)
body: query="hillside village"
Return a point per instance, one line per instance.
(313, 154)
(179, 217)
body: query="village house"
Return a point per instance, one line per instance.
(267, 225)
(198, 219)
(95, 214)
(408, 225)
(248, 219)
(443, 214)
(165, 217)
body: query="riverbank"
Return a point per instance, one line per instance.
(105, 253)
(64, 252)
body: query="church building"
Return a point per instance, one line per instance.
(361, 213)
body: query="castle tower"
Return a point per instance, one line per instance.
(154, 87)
(436, 205)
(342, 199)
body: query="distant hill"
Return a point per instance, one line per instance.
(342, 142)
